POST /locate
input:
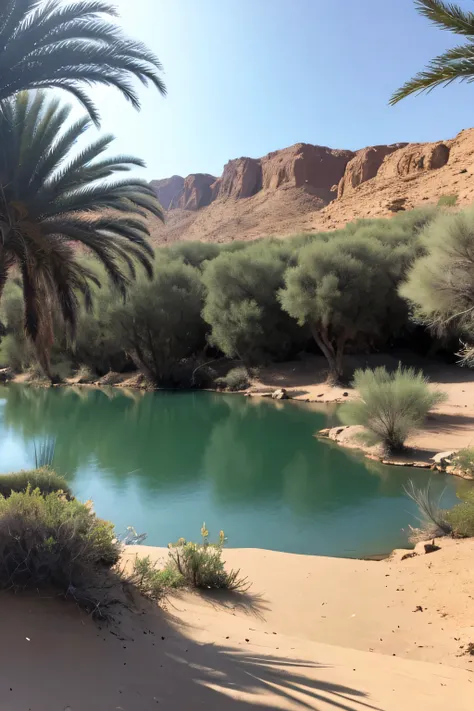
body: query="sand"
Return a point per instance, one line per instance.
(450, 426)
(313, 633)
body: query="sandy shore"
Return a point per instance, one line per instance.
(313, 633)
(450, 426)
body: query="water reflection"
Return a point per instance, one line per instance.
(166, 461)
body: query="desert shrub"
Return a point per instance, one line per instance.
(201, 564)
(391, 405)
(44, 479)
(154, 582)
(235, 379)
(464, 460)
(461, 516)
(447, 200)
(433, 518)
(50, 540)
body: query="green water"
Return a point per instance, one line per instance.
(166, 462)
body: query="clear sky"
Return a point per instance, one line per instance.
(246, 77)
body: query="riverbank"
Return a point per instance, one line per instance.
(314, 633)
(449, 427)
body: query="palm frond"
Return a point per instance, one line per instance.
(73, 46)
(454, 65)
(447, 16)
(52, 198)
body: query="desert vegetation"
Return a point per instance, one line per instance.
(251, 303)
(391, 405)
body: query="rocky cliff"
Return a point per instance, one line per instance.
(307, 187)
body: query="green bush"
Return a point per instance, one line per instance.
(201, 566)
(391, 405)
(461, 517)
(464, 460)
(152, 581)
(447, 200)
(49, 540)
(236, 379)
(43, 479)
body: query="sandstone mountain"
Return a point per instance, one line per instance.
(305, 188)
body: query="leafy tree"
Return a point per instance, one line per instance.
(241, 306)
(194, 253)
(391, 405)
(455, 64)
(440, 284)
(70, 47)
(344, 290)
(161, 324)
(52, 197)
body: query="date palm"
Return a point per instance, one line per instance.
(52, 200)
(456, 63)
(50, 44)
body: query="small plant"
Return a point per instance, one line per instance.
(461, 516)
(236, 379)
(152, 581)
(49, 540)
(447, 200)
(44, 479)
(201, 564)
(434, 522)
(464, 460)
(392, 405)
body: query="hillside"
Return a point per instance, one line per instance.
(305, 188)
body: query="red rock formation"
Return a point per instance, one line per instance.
(196, 192)
(168, 190)
(315, 168)
(364, 166)
(241, 178)
(415, 158)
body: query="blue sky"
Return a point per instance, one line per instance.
(246, 77)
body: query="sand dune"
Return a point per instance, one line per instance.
(299, 641)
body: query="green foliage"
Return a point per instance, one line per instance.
(440, 285)
(201, 564)
(154, 582)
(195, 254)
(246, 319)
(461, 517)
(235, 379)
(464, 460)
(53, 196)
(447, 200)
(44, 479)
(54, 541)
(160, 324)
(391, 405)
(344, 288)
(71, 48)
(457, 63)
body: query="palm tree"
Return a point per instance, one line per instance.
(457, 63)
(53, 198)
(50, 44)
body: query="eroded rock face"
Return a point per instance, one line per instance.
(241, 178)
(364, 166)
(315, 168)
(196, 192)
(415, 158)
(168, 190)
